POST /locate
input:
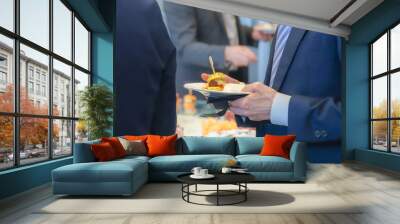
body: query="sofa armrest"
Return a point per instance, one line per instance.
(299, 159)
(83, 152)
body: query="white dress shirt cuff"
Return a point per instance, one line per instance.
(280, 109)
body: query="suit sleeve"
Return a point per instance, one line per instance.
(182, 24)
(245, 32)
(164, 118)
(315, 119)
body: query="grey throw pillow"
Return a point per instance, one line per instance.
(137, 147)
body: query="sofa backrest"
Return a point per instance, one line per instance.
(249, 145)
(192, 145)
(83, 152)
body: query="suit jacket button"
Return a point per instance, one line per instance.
(324, 134)
(317, 134)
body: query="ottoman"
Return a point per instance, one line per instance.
(119, 177)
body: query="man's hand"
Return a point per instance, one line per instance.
(258, 33)
(228, 79)
(239, 56)
(257, 105)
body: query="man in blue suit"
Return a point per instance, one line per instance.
(301, 92)
(145, 65)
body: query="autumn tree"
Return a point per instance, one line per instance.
(395, 124)
(33, 131)
(380, 127)
(6, 122)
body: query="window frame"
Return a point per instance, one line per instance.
(388, 74)
(16, 115)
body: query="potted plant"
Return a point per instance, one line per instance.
(96, 104)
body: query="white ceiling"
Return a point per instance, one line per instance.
(321, 9)
(325, 16)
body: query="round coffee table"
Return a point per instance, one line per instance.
(238, 179)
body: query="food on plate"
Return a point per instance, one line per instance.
(215, 81)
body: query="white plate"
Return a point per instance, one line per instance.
(230, 89)
(208, 176)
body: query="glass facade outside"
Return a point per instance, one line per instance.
(39, 124)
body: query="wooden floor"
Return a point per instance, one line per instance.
(379, 189)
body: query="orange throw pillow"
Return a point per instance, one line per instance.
(116, 145)
(135, 137)
(103, 152)
(275, 145)
(161, 145)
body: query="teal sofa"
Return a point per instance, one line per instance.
(125, 176)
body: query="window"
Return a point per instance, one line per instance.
(6, 73)
(7, 14)
(38, 74)
(30, 88)
(81, 81)
(35, 21)
(385, 94)
(3, 61)
(62, 74)
(30, 72)
(37, 89)
(62, 137)
(33, 140)
(3, 78)
(6, 142)
(44, 91)
(3, 72)
(81, 45)
(40, 62)
(40, 129)
(62, 31)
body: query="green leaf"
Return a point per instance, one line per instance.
(96, 102)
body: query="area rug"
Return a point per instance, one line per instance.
(166, 198)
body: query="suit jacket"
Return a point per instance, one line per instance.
(309, 71)
(145, 62)
(198, 33)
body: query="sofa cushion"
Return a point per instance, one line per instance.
(135, 137)
(191, 145)
(116, 145)
(161, 145)
(185, 163)
(257, 163)
(103, 152)
(112, 171)
(249, 145)
(135, 147)
(277, 145)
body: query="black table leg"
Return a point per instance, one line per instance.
(182, 190)
(220, 193)
(245, 193)
(188, 190)
(217, 194)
